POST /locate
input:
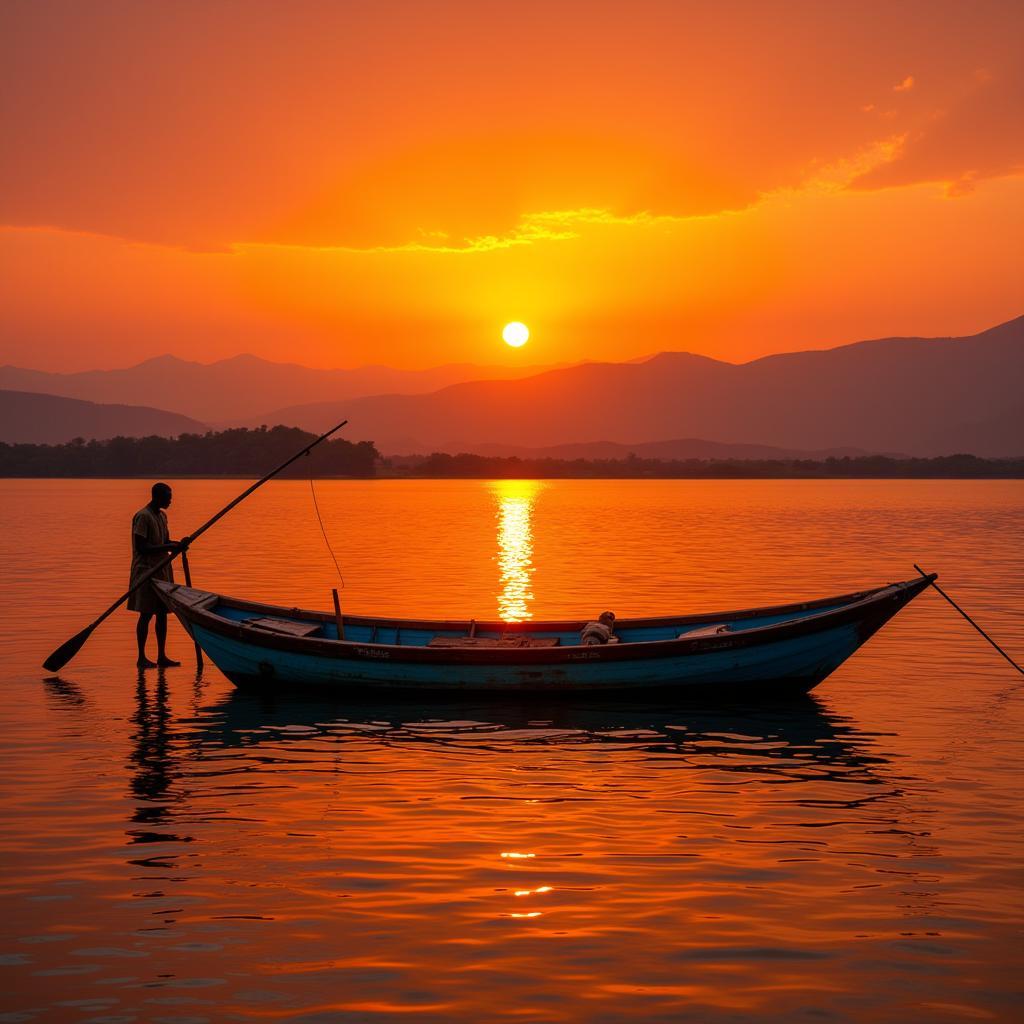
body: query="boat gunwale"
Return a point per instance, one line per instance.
(540, 625)
(851, 607)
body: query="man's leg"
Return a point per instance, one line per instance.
(161, 642)
(141, 634)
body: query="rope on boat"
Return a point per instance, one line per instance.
(970, 620)
(320, 520)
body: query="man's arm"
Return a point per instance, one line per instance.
(172, 547)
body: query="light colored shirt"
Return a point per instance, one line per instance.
(150, 526)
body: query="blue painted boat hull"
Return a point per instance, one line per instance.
(805, 662)
(769, 650)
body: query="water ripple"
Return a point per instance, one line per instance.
(174, 849)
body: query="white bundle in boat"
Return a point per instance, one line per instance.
(693, 634)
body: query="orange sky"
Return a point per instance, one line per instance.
(339, 183)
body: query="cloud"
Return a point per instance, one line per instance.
(606, 283)
(837, 176)
(898, 159)
(974, 137)
(531, 229)
(905, 86)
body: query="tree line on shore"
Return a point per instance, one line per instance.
(250, 453)
(235, 452)
(634, 467)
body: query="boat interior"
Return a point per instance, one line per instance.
(297, 622)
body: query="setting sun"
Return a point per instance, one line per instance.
(516, 334)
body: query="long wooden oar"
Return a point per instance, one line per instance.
(67, 650)
(970, 620)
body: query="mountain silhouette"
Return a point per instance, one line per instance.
(916, 396)
(920, 396)
(27, 418)
(243, 386)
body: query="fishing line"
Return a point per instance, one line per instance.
(320, 520)
(969, 619)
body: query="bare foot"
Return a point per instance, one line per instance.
(145, 663)
(165, 662)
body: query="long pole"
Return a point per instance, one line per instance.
(188, 583)
(970, 620)
(67, 650)
(337, 614)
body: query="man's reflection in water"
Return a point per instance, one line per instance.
(152, 765)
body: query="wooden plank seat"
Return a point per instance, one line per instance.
(515, 640)
(285, 627)
(192, 598)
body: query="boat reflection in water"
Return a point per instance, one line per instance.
(798, 730)
(515, 500)
(711, 798)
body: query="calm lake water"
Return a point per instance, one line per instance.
(176, 851)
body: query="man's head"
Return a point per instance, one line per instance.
(608, 618)
(161, 495)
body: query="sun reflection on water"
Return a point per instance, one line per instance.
(515, 500)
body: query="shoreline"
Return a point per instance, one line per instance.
(384, 478)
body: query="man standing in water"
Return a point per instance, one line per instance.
(151, 543)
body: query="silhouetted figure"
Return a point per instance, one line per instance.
(150, 544)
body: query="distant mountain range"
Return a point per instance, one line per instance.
(47, 419)
(920, 396)
(244, 386)
(916, 396)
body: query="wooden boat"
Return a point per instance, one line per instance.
(784, 648)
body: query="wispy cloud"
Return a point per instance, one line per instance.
(838, 175)
(879, 164)
(973, 137)
(531, 229)
(905, 86)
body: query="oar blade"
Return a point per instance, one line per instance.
(67, 650)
